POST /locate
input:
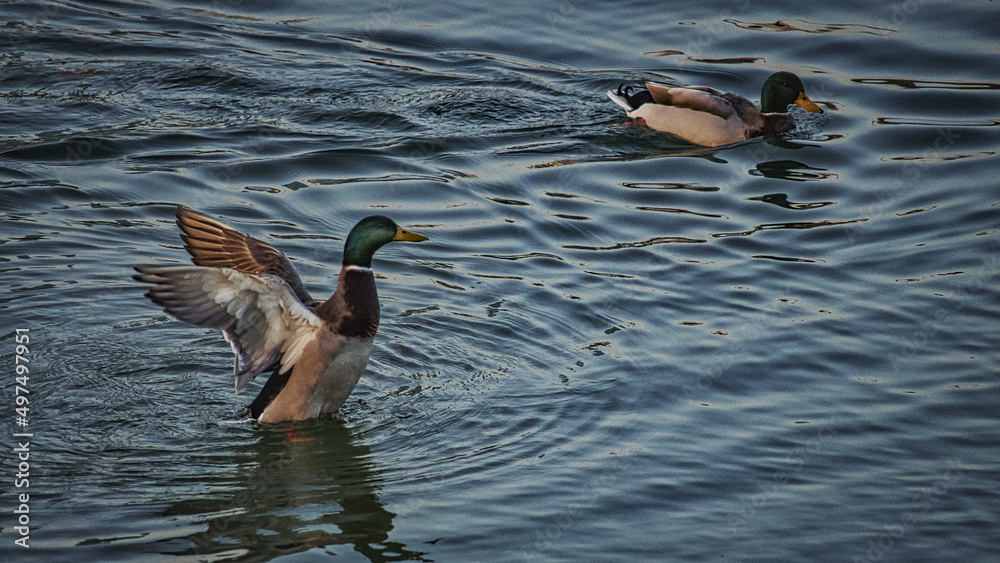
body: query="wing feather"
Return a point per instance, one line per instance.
(698, 98)
(214, 244)
(261, 317)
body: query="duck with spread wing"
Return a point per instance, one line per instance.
(314, 350)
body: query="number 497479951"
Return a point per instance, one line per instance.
(21, 371)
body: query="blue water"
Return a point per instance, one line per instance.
(615, 346)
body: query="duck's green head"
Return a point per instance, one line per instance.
(782, 89)
(371, 234)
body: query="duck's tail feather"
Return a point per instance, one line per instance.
(617, 98)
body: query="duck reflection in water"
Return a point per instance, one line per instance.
(299, 487)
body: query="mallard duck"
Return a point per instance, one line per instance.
(315, 350)
(705, 116)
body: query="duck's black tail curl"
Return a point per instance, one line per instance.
(626, 93)
(635, 100)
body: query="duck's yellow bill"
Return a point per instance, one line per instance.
(807, 104)
(404, 235)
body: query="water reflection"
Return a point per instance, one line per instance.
(790, 170)
(792, 225)
(914, 83)
(669, 186)
(728, 60)
(634, 244)
(939, 157)
(937, 123)
(809, 27)
(302, 486)
(781, 200)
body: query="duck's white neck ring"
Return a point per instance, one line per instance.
(357, 268)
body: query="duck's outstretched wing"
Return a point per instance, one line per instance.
(214, 244)
(266, 324)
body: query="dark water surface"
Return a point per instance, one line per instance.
(615, 346)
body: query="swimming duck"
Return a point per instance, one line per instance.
(705, 116)
(315, 350)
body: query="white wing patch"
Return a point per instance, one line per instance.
(261, 317)
(273, 323)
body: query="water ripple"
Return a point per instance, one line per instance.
(811, 27)
(637, 244)
(912, 83)
(791, 225)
